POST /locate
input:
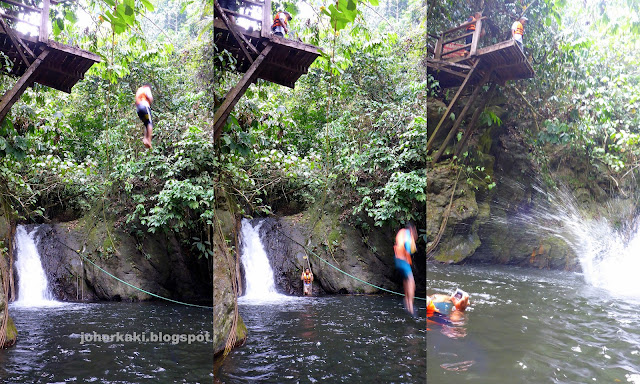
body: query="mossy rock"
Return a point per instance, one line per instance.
(11, 334)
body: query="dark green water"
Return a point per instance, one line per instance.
(49, 348)
(338, 339)
(532, 326)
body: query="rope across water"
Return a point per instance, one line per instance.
(346, 273)
(131, 285)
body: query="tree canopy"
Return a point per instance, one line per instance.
(352, 133)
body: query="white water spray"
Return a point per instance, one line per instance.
(609, 256)
(33, 287)
(258, 273)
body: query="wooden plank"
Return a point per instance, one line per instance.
(239, 38)
(439, 46)
(256, 3)
(242, 15)
(12, 95)
(456, 50)
(458, 38)
(450, 64)
(462, 26)
(459, 74)
(17, 19)
(16, 44)
(456, 125)
(43, 36)
(474, 119)
(25, 6)
(74, 51)
(476, 38)
(285, 64)
(265, 30)
(453, 101)
(232, 97)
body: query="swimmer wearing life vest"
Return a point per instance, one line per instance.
(307, 278)
(403, 248)
(452, 305)
(143, 107)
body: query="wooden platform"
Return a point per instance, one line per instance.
(62, 68)
(285, 63)
(506, 60)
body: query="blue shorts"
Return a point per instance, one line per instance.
(404, 268)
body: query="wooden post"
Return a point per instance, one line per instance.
(238, 36)
(476, 38)
(16, 44)
(12, 95)
(232, 97)
(456, 125)
(474, 119)
(265, 29)
(438, 51)
(44, 19)
(453, 101)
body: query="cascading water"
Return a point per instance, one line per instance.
(609, 255)
(258, 273)
(33, 287)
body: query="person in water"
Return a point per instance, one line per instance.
(307, 279)
(448, 304)
(143, 107)
(403, 248)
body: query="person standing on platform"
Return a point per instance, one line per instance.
(517, 31)
(280, 25)
(471, 28)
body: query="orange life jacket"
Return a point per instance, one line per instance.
(471, 27)
(398, 247)
(307, 277)
(431, 308)
(277, 22)
(519, 28)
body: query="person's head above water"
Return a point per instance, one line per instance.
(460, 299)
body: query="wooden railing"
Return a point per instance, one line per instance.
(15, 8)
(446, 47)
(244, 11)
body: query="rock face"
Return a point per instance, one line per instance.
(369, 258)
(155, 264)
(508, 224)
(10, 335)
(223, 297)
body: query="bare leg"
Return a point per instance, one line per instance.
(147, 135)
(409, 290)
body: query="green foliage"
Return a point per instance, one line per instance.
(351, 134)
(63, 155)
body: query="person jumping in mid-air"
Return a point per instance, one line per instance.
(403, 248)
(143, 107)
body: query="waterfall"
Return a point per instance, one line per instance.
(33, 287)
(258, 273)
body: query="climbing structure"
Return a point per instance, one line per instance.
(259, 54)
(33, 57)
(467, 65)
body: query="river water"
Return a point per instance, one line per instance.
(532, 326)
(52, 347)
(336, 339)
